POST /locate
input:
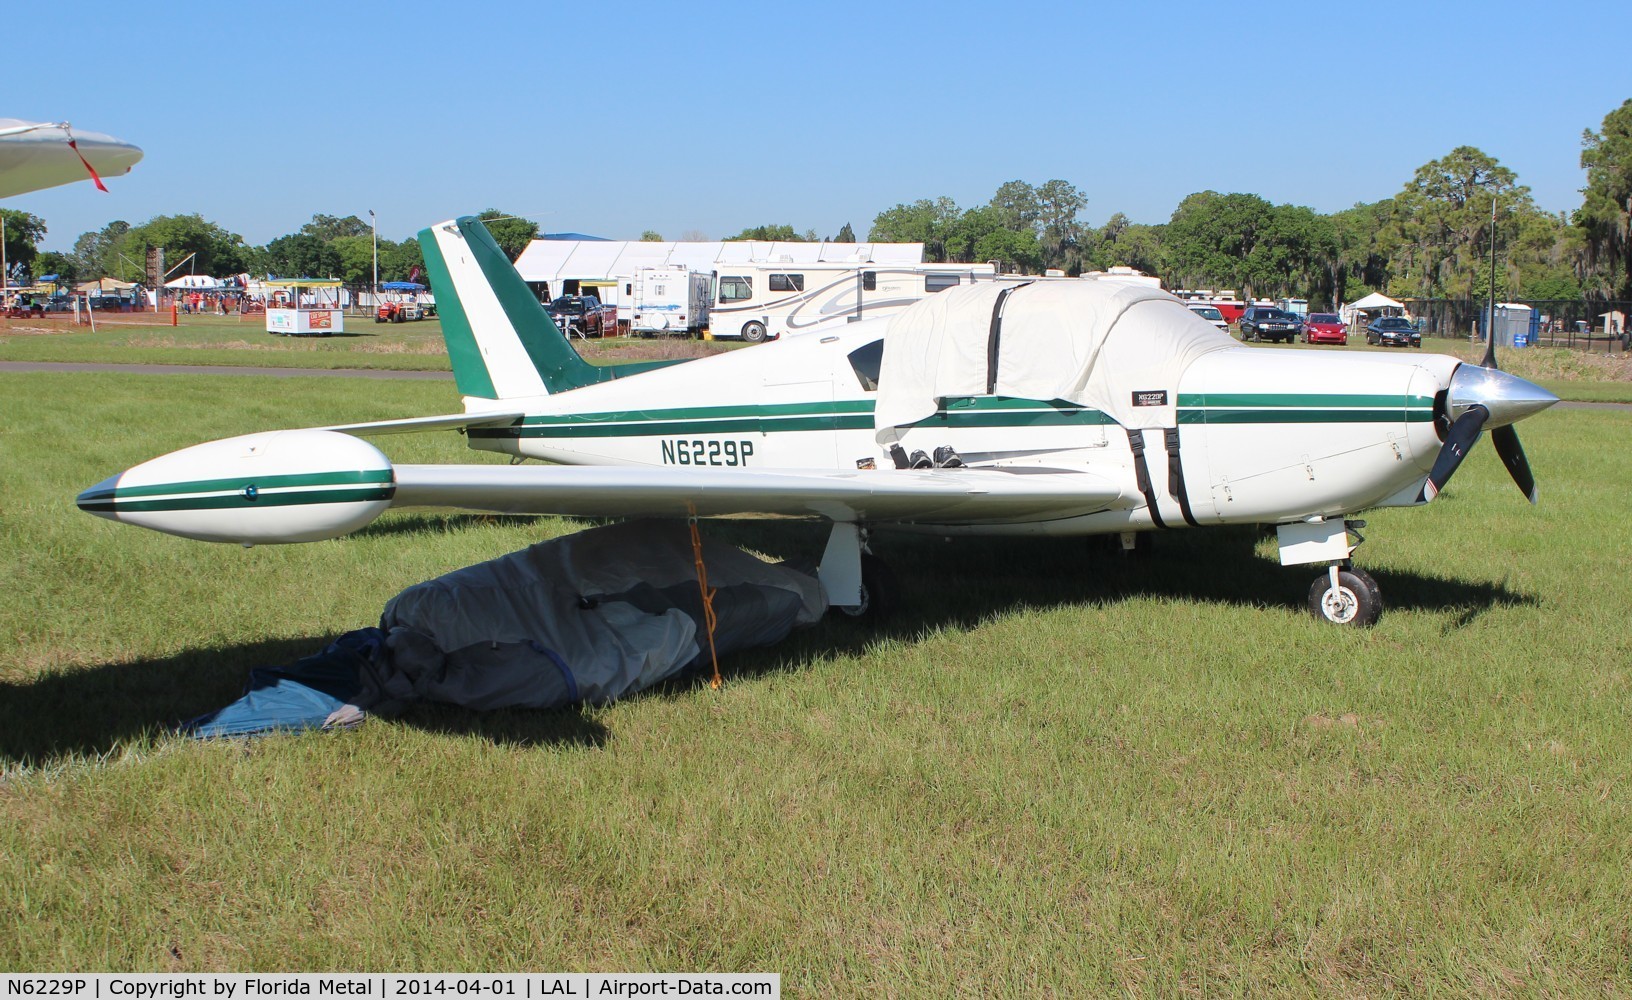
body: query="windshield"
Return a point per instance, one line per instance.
(1206, 312)
(567, 304)
(1323, 318)
(1276, 314)
(1393, 323)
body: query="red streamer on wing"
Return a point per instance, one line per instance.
(75, 147)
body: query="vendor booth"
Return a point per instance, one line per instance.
(303, 307)
(403, 300)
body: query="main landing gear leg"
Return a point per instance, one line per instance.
(1342, 595)
(855, 581)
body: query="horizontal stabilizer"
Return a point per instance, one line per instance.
(416, 425)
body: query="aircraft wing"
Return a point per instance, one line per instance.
(35, 155)
(414, 425)
(929, 496)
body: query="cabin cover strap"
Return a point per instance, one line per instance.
(1175, 476)
(994, 335)
(1136, 442)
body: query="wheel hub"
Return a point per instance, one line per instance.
(1339, 605)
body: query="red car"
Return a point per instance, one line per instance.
(1324, 328)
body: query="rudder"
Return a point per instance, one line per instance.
(501, 343)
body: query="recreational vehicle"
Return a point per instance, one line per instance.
(764, 300)
(670, 299)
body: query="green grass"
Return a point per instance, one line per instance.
(1059, 771)
(224, 340)
(229, 340)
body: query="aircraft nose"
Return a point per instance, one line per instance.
(98, 499)
(1508, 397)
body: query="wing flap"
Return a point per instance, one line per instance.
(962, 496)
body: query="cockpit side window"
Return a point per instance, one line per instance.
(866, 361)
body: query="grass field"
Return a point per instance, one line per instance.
(214, 340)
(229, 340)
(1059, 771)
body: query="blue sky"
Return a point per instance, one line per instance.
(613, 119)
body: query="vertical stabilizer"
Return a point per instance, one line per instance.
(501, 342)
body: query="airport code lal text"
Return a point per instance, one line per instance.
(238, 986)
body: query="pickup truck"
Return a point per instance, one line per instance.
(582, 316)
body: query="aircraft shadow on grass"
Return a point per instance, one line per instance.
(942, 584)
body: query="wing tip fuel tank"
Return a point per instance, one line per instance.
(255, 489)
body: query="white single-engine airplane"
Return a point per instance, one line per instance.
(36, 155)
(1075, 407)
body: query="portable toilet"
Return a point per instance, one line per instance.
(1512, 325)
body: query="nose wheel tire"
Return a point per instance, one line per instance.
(1356, 600)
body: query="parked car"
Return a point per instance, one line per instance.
(580, 315)
(1211, 314)
(1324, 328)
(1267, 323)
(1393, 331)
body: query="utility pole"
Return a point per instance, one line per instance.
(375, 223)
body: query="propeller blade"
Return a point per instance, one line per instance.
(1458, 440)
(1506, 440)
(1490, 351)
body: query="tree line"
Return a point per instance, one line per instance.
(1429, 241)
(327, 246)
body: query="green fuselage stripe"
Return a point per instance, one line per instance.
(365, 477)
(239, 500)
(962, 412)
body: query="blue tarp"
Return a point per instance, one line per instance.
(401, 286)
(301, 695)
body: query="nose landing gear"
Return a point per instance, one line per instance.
(1345, 595)
(1342, 595)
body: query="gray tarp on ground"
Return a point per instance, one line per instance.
(587, 617)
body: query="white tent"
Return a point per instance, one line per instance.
(196, 282)
(1375, 302)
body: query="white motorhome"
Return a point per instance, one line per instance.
(763, 300)
(668, 299)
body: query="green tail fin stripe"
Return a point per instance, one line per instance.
(558, 364)
(469, 370)
(559, 367)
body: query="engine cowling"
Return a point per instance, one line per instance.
(256, 489)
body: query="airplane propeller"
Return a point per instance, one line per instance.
(1481, 394)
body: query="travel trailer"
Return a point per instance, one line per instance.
(673, 299)
(764, 300)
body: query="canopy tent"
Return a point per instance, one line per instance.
(401, 286)
(1083, 342)
(104, 285)
(196, 282)
(1375, 302)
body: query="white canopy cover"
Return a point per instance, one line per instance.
(200, 282)
(1108, 345)
(1376, 300)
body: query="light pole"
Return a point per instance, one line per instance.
(375, 224)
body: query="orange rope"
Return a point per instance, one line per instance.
(708, 594)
